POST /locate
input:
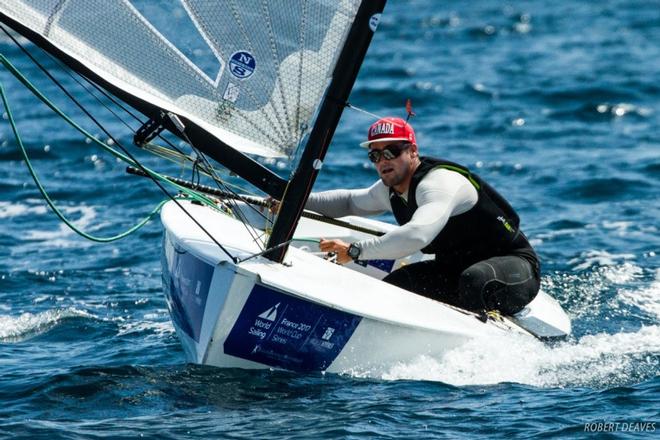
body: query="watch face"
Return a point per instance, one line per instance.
(353, 251)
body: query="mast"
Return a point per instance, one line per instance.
(235, 161)
(343, 78)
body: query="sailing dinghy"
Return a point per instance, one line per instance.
(243, 289)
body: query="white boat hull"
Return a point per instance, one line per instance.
(308, 314)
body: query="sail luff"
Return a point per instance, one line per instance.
(343, 77)
(255, 173)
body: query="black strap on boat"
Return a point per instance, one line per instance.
(148, 132)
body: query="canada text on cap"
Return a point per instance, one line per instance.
(390, 129)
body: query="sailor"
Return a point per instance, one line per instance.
(483, 260)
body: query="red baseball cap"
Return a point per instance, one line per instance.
(390, 129)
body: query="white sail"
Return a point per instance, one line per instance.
(273, 58)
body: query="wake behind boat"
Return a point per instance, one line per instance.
(242, 291)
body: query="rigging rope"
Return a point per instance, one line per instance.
(207, 168)
(200, 164)
(65, 68)
(128, 158)
(45, 195)
(237, 212)
(361, 110)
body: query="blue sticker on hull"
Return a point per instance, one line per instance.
(384, 265)
(282, 331)
(186, 280)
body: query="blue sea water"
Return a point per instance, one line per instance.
(554, 103)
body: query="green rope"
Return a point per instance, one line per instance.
(14, 71)
(43, 192)
(191, 193)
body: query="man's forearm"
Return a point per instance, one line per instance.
(333, 203)
(342, 202)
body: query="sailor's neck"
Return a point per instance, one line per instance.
(402, 188)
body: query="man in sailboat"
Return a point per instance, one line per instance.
(482, 262)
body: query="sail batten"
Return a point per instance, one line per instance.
(270, 61)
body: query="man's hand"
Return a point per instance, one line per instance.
(337, 246)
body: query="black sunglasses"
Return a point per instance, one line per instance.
(390, 152)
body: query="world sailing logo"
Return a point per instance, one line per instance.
(242, 64)
(270, 314)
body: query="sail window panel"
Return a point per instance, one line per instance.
(172, 21)
(127, 47)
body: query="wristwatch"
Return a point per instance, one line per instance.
(354, 251)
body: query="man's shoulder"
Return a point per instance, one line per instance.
(444, 175)
(433, 162)
(445, 182)
(451, 170)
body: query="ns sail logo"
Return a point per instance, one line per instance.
(242, 64)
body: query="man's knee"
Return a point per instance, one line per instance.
(472, 285)
(480, 287)
(475, 277)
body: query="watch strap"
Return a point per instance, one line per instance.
(354, 251)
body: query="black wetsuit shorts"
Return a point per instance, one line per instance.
(505, 283)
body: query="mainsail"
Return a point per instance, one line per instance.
(284, 72)
(274, 59)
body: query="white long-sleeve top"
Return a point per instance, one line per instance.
(440, 195)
